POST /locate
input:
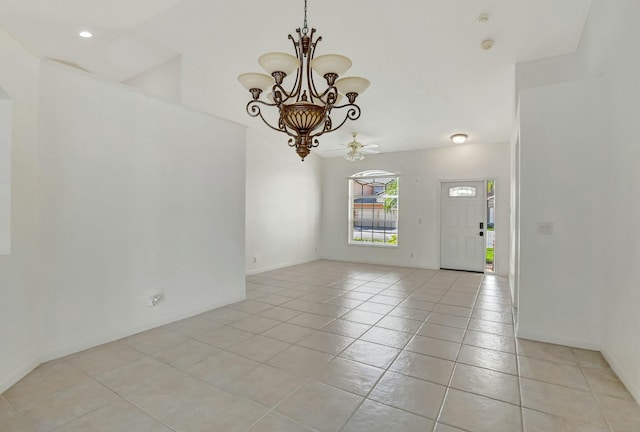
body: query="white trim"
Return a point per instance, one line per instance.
(575, 343)
(350, 208)
(624, 377)
(17, 375)
(279, 266)
(380, 173)
(371, 244)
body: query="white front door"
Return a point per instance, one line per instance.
(463, 226)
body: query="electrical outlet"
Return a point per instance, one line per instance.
(545, 228)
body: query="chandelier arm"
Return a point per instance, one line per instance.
(326, 92)
(287, 95)
(297, 47)
(353, 113)
(253, 109)
(313, 91)
(337, 107)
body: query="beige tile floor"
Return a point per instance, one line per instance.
(331, 346)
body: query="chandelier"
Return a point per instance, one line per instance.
(306, 110)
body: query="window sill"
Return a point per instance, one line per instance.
(371, 244)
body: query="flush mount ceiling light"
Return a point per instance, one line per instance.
(306, 110)
(459, 138)
(85, 34)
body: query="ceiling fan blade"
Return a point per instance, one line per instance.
(367, 151)
(370, 145)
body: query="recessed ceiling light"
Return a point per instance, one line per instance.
(85, 34)
(459, 138)
(483, 18)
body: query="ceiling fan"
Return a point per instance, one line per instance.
(356, 150)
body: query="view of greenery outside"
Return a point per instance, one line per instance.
(392, 190)
(490, 202)
(392, 240)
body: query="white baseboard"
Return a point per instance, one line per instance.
(626, 378)
(17, 375)
(279, 266)
(58, 350)
(574, 343)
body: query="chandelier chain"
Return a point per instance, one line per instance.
(305, 27)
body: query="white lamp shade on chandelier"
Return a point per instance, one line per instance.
(253, 80)
(331, 64)
(278, 62)
(355, 85)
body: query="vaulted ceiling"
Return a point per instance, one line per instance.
(429, 76)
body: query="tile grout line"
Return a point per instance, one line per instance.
(594, 394)
(455, 365)
(273, 408)
(364, 398)
(292, 279)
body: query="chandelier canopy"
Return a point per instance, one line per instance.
(306, 110)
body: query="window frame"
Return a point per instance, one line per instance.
(373, 174)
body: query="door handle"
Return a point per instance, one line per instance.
(481, 233)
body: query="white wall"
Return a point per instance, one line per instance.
(19, 308)
(560, 156)
(283, 193)
(163, 81)
(6, 123)
(283, 204)
(594, 119)
(419, 201)
(137, 197)
(621, 296)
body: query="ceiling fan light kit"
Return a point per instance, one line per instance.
(306, 110)
(353, 156)
(357, 150)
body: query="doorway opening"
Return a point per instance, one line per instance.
(490, 244)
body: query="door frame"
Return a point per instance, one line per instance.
(439, 214)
